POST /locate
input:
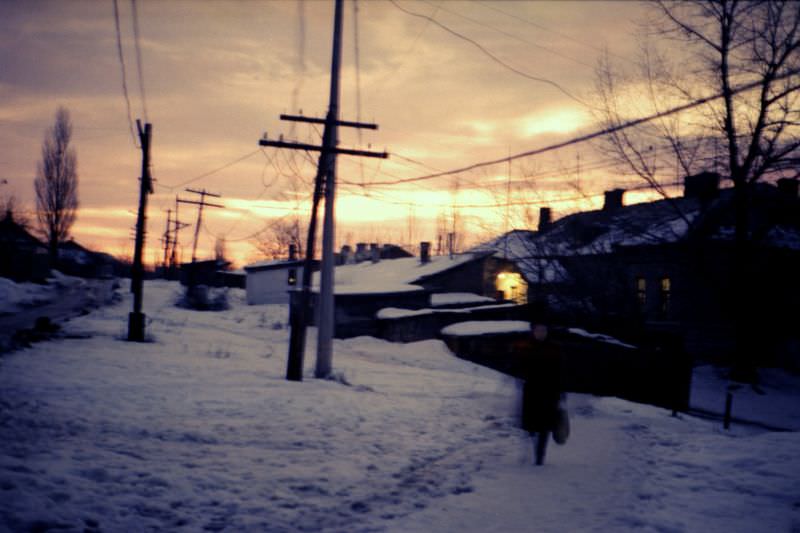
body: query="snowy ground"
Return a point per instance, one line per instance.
(198, 430)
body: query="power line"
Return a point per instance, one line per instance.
(518, 38)
(490, 55)
(210, 172)
(592, 135)
(124, 76)
(136, 40)
(493, 7)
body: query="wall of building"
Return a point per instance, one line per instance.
(270, 286)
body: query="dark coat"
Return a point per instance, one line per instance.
(541, 393)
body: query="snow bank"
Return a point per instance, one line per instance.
(599, 337)
(14, 296)
(456, 298)
(484, 327)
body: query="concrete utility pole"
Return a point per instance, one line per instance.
(326, 170)
(202, 203)
(136, 319)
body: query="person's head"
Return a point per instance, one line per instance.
(539, 332)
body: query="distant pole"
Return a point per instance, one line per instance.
(167, 241)
(326, 298)
(136, 319)
(202, 203)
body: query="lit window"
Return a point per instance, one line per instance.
(641, 292)
(292, 276)
(513, 286)
(666, 294)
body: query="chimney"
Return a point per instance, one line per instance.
(787, 188)
(613, 199)
(375, 252)
(545, 215)
(292, 252)
(345, 254)
(451, 243)
(703, 186)
(424, 252)
(361, 251)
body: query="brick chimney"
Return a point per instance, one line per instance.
(545, 218)
(613, 199)
(345, 254)
(375, 252)
(425, 252)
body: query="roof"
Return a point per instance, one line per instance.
(673, 220)
(393, 275)
(274, 264)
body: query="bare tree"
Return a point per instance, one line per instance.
(274, 242)
(56, 183)
(715, 47)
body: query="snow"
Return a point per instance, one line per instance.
(396, 312)
(599, 337)
(456, 298)
(199, 430)
(484, 327)
(390, 275)
(16, 296)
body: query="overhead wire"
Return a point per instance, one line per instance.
(137, 44)
(589, 136)
(124, 75)
(491, 56)
(518, 38)
(210, 172)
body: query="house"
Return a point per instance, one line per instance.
(22, 256)
(363, 289)
(667, 267)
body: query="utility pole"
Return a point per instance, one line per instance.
(202, 203)
(136, 319)
(167, 239)
(326, 170)
(178, 225)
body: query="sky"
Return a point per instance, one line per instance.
(215, 76)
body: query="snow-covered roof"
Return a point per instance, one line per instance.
(537, 254)
(391, 275)
(272, 264)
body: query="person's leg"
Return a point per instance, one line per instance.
(541, 446)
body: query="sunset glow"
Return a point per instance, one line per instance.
(215, 82)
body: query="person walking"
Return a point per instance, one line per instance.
(542, 390)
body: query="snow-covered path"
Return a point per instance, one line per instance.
(198, 430)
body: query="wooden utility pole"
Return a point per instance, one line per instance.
(167, 240)
(325, 182)
(202, 203)
(136, 319)
(178, 226)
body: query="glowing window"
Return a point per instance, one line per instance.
(513, 286)
(641, 292)
(666, 295)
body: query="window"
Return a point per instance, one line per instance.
(292, 276)
(666, 295)
(641, 293)
(512, 286)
